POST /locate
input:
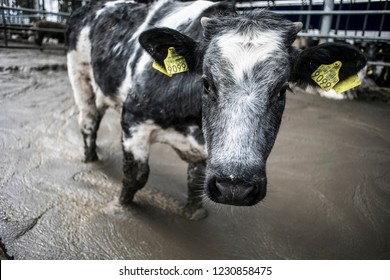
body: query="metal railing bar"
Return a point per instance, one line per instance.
(348, 18)
(54, 30)
(34, 47)
(338, 17)
(326, 20)
(382, 20)
(354, 37)
(366, 18)
(21, 16)
(283, 3)
(5, 25)
(373, 12)
(379, 63)
(308, 17)
(303, 4)
(35, 11)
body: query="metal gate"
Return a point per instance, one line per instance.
(22, 22)
(354, 20)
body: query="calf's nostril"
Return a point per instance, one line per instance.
(220, 187)
(246, 191)
(213, 188)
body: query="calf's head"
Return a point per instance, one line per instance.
(246, 63)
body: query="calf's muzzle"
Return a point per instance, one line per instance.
(235, 191)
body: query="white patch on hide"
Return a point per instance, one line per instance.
(128, 81)
(111, 4)
(139, 142)
(79, 69)
(182, 15)
(147, 133)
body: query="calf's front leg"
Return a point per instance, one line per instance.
(136, 146)
(135, 175)
(191, 148)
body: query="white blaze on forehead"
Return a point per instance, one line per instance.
(244, 51)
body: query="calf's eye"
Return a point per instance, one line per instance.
(282, 93)
(206, 86)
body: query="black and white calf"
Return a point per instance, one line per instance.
(222, 116)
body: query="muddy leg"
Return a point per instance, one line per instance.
(190, 147)
(89, 125)
(136, 146)
(135, 175)
(90, 114)
(194, 209)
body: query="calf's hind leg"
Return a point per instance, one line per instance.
(90, 115)
(89, 125)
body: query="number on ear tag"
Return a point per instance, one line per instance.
(327, 76)
(175, 63)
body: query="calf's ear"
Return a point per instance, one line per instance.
(309, 60)
(157, 41)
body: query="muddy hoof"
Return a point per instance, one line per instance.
(126, 198)
(195, 214)
(91, 157)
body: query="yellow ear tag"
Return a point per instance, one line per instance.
(175, 63)
(327, 76)
(158, 67)
(348, 83)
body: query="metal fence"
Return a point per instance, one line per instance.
(351, 20)
(25, 23)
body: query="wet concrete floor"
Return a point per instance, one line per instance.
(329, 184)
